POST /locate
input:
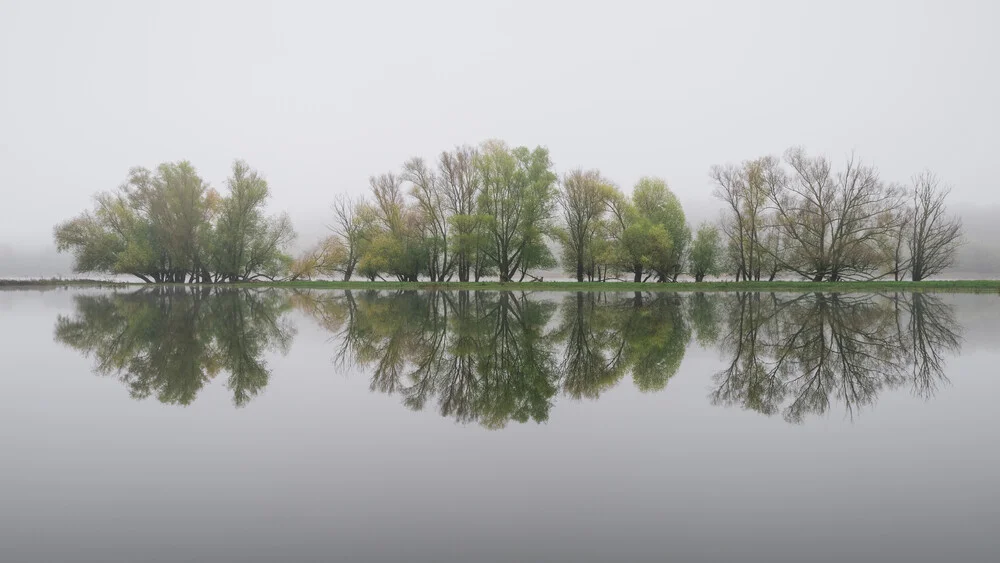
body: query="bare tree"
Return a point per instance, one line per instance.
(934, 235)
(430, 194)
(350, 224)
(835, 222)
(744, 190)
(389, 203)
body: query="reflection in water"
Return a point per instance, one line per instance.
(797, 354)
(494, 357)
(170, 341)
(484, 357)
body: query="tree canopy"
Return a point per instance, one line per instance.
(496, 211)
(169, 225)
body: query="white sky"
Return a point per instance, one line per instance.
(318, 96)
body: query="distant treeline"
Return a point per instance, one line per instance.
(496, 211)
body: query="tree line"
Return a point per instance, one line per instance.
(802, 217)
(499, 212)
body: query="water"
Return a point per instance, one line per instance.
(181, 425)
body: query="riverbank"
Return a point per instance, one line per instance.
(59, 282)
(963, 286)
(977, 286)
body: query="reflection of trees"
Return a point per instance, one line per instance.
(932, 331)
(607, 335)
(170, 341)
(484, 356)
(491, 357)
(594, 356)
(799, 354)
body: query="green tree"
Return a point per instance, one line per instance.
(705, 257)
(170, 226)
(398, 248)
(656, 203)
(516, 199)
(583, 202)
(248, 244)
(459, 179)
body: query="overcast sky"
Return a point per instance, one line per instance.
(318, 96)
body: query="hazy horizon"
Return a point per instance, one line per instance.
(319, 97)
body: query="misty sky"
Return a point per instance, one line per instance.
(318, 96)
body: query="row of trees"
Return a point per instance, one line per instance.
(496, 211)
(494, 357)
(169, 225)
(802, 217)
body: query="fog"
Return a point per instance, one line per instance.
(319, 96)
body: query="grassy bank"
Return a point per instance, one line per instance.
(973, 286)
(58, 282)
(978, 286)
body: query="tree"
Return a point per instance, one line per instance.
(705, 256)
(170, 226)
(398, 248)
(247, 244)
(934, 235)
(325, 258)
(430, 193)
(834, 222)
(460, 182)
(643, 244)
(353, 224)
(655, 202)
(516, 200)
(745, 223)
(583, 204)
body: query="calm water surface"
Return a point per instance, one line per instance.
(272, 425)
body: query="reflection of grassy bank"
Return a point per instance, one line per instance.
(976, 286)
(842, 287)
(58, 282)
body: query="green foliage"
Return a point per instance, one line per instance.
(705, 258)
(169, 226)
(517, 200)
(584, 203)
(657, 204)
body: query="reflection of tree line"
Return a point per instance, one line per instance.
(493, 357)
(170, 341)
(799, 354)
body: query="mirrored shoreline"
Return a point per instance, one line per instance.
(496, 358)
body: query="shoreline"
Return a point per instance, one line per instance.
(956, 286)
